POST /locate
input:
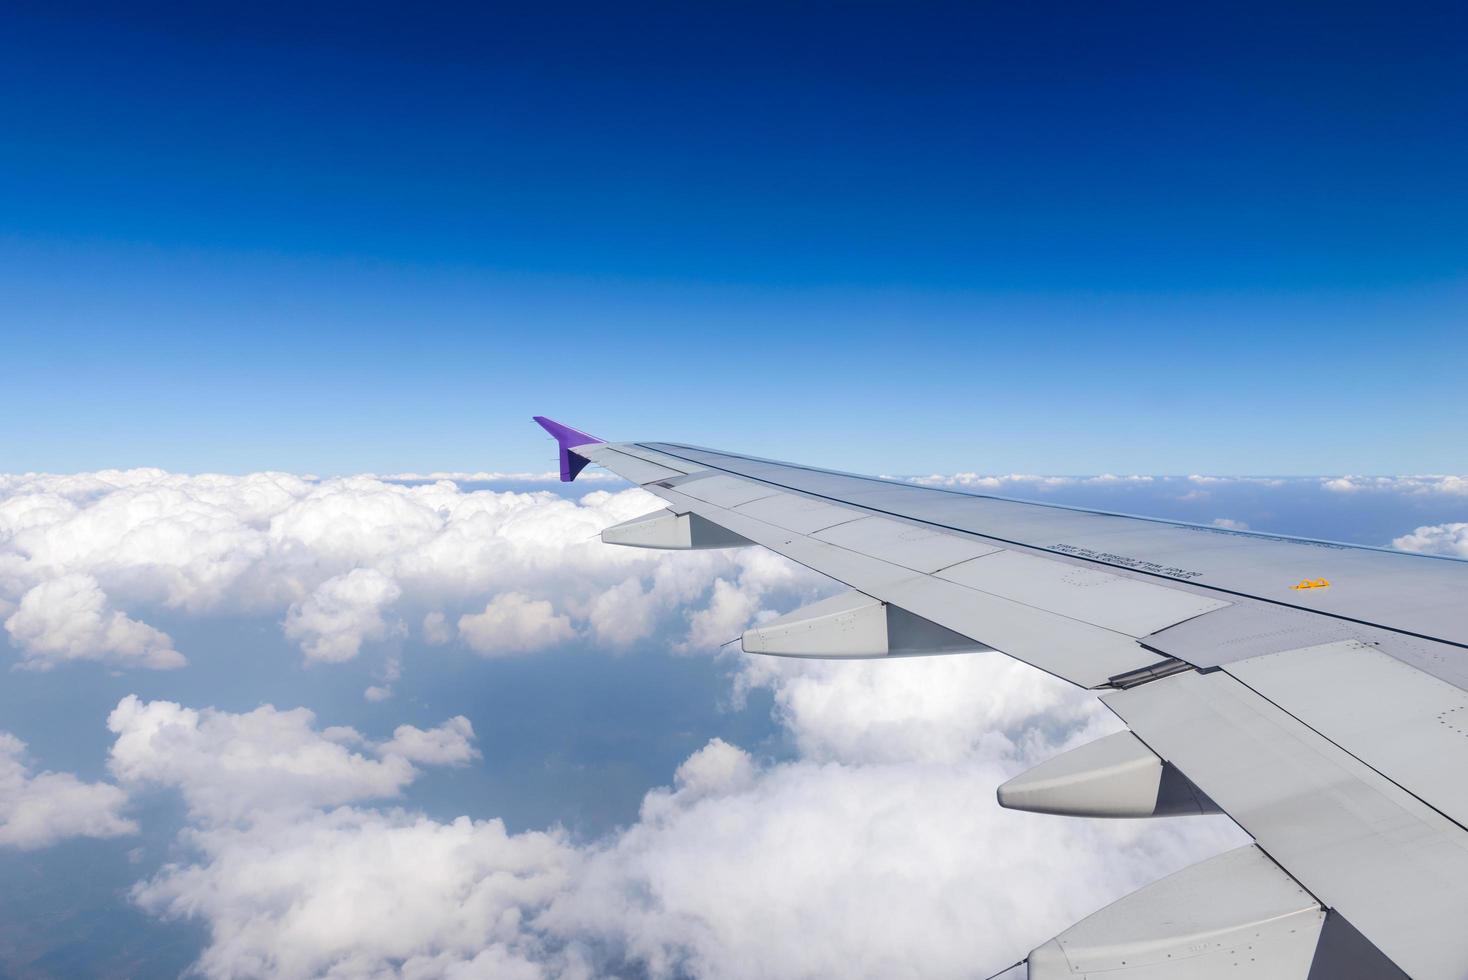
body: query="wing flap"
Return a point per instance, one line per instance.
(1395, 719)
(1392, 865)
(1234, 915)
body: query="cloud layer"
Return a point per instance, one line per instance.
(342, 564)
(877, 849)
(346, 564)
(863, 841)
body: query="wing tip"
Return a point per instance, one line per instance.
(567, 438)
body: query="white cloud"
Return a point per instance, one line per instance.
(979, 481)
(728, 612)
(236, 767)
(343, 563)
(736, 603)
(292, 883)
(1230, 524)
(512, 623)
(716, 768)
(878, 850)
(925, 709)
(1112, 479)
(39, 809)
(623, 614)
(810, 869)
(69, 618)
(1416, 485)
(451, 743)
(1436, 539)
(358, 893)
(341, 614)
(1263, 481)
(145, 534)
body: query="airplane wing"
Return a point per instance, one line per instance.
(1315, 692)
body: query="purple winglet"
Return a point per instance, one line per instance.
(571, 463)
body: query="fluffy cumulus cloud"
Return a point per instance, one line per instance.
(930, 710)
(1198, 479)
(1436, 539)
(88, 561)
(877, 849)
(362, 893)
(736, 601)
(38, 809)
(295, 878)
(343, 564)
(514, 623)
(835, 869)
(1416, 485)
(69, 618)
(451, 743)
(342, 612)
(233, 767)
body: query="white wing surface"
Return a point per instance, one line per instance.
(1315, 692)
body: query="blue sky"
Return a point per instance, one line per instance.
(1069, 239)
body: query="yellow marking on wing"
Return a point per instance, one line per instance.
(1306, 583)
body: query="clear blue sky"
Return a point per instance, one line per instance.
(1144, 238)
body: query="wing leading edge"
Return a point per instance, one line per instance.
(1328, 722)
